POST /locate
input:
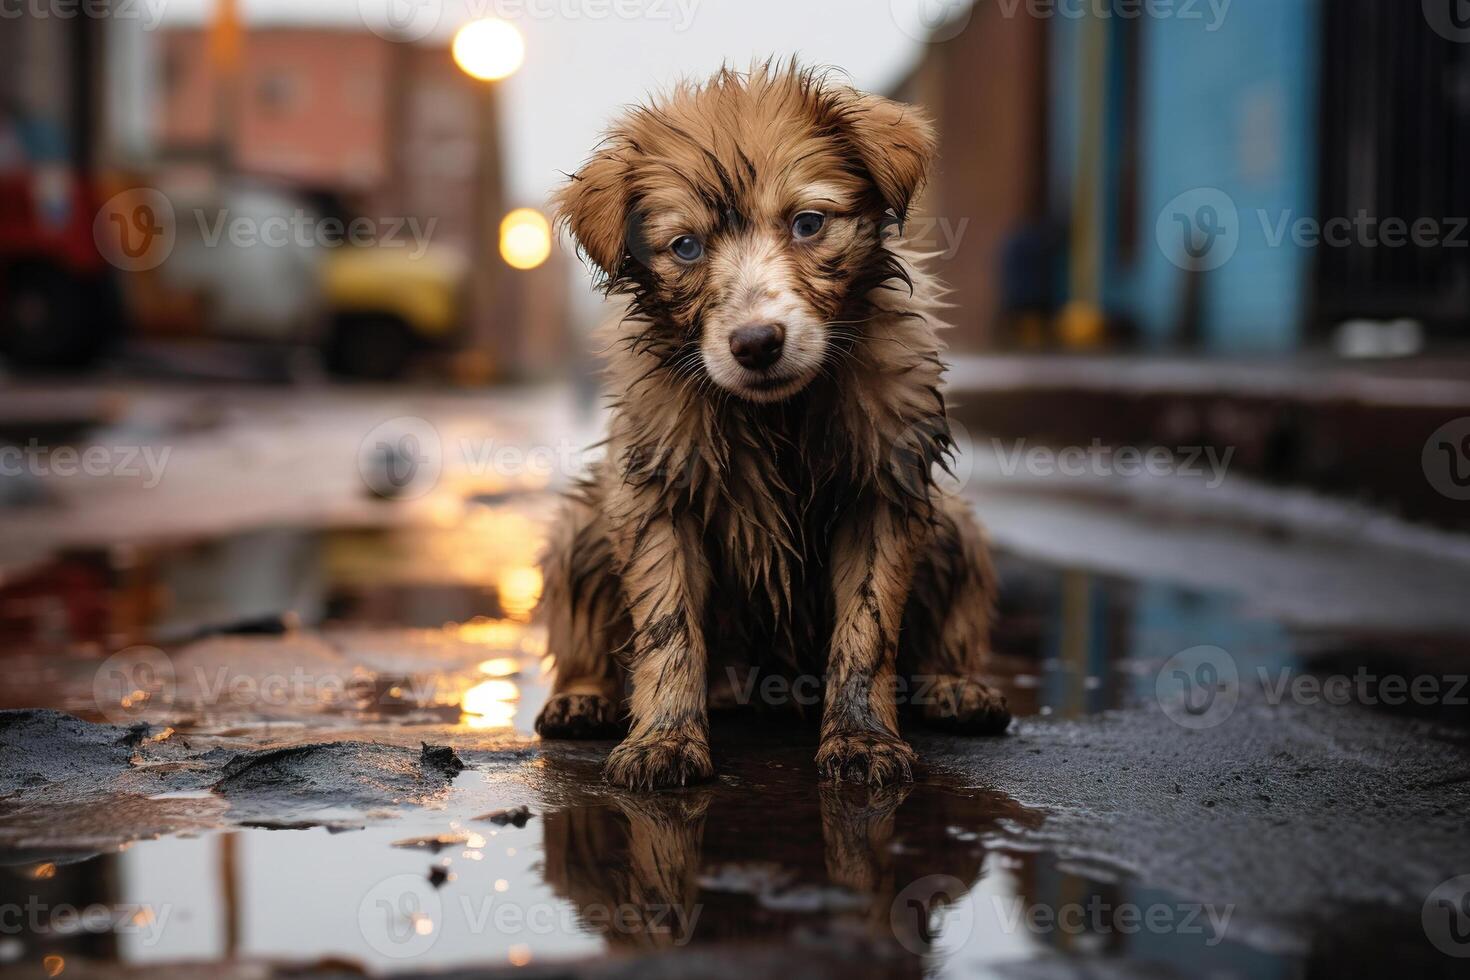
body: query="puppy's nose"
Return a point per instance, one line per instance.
(757, 345)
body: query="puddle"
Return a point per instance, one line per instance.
(423, 634)
(763, 854)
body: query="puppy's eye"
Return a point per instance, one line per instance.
(808, 224)
(686, 248)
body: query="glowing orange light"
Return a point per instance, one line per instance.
(488, 49)
(519, 589)
(525, 238)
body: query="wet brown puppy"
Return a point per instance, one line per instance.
(767, 501)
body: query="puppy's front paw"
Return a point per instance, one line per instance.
(659, 760)
(876, 758)
(966, 706)
(578, 716)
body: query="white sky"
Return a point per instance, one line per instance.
(585, 58)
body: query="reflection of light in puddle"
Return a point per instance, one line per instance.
(518, 590)
(499, 634)
(491, 704)
(500, 667)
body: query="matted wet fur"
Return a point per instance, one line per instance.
(767, 502)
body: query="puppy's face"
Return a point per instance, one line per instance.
(743, 218)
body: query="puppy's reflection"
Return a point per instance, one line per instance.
(768, 852)
(631, 867)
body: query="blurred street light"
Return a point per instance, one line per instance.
(525, 238)
(489, 49)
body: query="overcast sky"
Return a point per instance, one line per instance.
(585, 58)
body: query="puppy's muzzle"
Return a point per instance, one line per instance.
(757, 346)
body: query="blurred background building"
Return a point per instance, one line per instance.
(1232, 178)
(1074, 144)
(231, 117)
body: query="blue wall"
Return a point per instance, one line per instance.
(1233, 108)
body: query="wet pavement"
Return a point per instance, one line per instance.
(289, 730)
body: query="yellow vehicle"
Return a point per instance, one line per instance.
(383, 304)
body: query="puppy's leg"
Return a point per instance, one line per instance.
(946, 628)
(872, 565)
(665, 850)
(586, 620)
(857, 827)
(666, 580)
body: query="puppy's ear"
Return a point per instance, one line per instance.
(593, 204)
(896, 142)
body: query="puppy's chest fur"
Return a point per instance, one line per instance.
(768, 541)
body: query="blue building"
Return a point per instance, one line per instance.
(1204, 161)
